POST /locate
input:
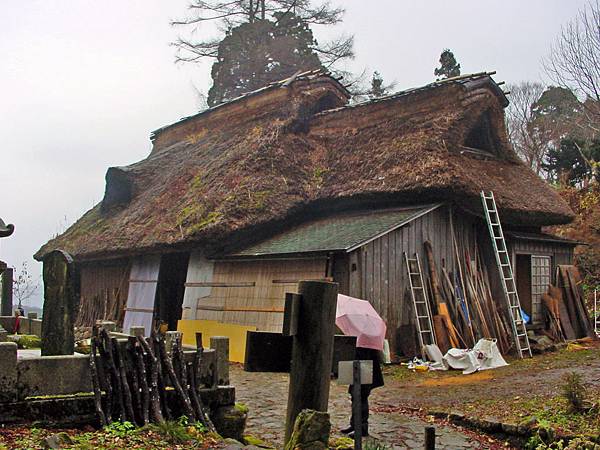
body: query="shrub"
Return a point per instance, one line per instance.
(574, 390)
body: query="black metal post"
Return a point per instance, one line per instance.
(429, 438)
(356, 405)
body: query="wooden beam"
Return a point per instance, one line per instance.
(312, 350)
(219, 284)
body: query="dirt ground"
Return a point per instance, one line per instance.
(526, 389)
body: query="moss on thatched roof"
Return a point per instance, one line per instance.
(294, 149)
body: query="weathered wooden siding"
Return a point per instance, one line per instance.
(557, 253)
(104, 288)
(378, 273)
(253, 292)
(560, 253)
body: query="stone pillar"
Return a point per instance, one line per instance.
(170, 337)
(7, 292)
(61, 298)
(8, 372)
(107, 325)
(35, 327)
(137, 331)
(220, 344)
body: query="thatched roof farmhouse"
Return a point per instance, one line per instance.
(293, 157)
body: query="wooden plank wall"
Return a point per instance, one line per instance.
(104, 287)
(379, 274)
(253, 292)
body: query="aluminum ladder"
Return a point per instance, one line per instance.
(596, 313)
(506, 274)
(418, 295)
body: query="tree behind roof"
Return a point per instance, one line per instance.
(574, 162)
(574, 60)
(252, 55)
(265, 41)
(449, 68)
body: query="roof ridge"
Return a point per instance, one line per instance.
(307, 75)
(437, 83)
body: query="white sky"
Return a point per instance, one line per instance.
(83, 83)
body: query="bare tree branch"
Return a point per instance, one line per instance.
(574, 59)
(24, 285)
(525, 139)
(335, 50)
(230, 14)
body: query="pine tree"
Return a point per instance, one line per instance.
(574, 161)
(377, 87)
(449, 68)
(252, 55)
(264, 41)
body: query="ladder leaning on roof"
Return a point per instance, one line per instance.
(596, 313)
(418, 295)
(506, 274)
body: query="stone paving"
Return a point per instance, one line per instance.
(265, 394)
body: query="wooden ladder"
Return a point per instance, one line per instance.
(506, 274)
(418, 294)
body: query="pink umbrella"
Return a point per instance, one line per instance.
(358, 318)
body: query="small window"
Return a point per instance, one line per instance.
(481, 136)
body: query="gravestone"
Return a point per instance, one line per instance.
(6, 291)
(61, 296)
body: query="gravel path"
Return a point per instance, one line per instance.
(265, 394)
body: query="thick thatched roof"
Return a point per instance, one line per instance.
(295, 148)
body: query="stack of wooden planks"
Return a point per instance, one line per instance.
(568, 303)
(463, 306)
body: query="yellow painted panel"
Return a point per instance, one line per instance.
(209, 328)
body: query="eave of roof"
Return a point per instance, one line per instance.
(542, 237)
(339, 233)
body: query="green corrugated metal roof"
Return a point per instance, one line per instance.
(336, 233)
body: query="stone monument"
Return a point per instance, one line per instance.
(61, 297)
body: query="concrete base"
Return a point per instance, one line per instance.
(77, 411)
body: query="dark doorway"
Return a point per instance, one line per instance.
(171, 287)
(523, 279)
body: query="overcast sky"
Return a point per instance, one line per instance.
(83, 83)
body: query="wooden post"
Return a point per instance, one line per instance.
(356, 405)
(312, 350)
(429, 438)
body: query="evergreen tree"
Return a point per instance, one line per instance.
(265, 41)
(254, 54)
(448, 66)
(378, 89)
(574, 161)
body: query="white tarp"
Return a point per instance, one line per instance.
(434, 354)
(200, 271)
(142, 293)
(485, 355)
